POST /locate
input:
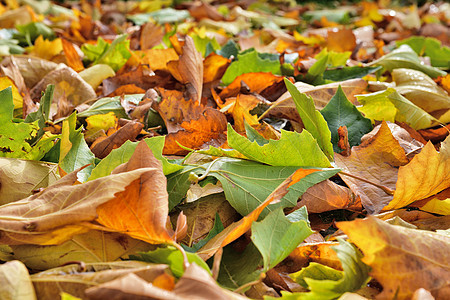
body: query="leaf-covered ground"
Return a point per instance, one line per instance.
(224, 150)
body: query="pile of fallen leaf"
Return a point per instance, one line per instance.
(178, 149)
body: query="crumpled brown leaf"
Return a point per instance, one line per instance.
(189, 69)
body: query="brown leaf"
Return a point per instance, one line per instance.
(67, 84)
(70, 279)
(326, 196)
(62, 210)
(33, 69)
(203, 10)
(402, 259)
(343, 141)
(15, 282)
(375, 160)
(151, 35)
(189, 69)
(195, 283)
(128, 132)
(141, 210)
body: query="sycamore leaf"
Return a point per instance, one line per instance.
(327, 283)
(405, 57)
(19, 178)
(276, 236)
(50, 283)
(341, 112)
(14, 136)
(402, 259)
(376, 160)
(250, 61)
(389, 105)
(15, 282)
(61, 210)
(93, 246)
(189, 69)
(141, 210)
(114, 55)
(313, 121)
(74, 152)
(292, 149)
(425, 175)
(196, 283)
(235, 230)
(423, 92)
(247, 184)
(171, 257)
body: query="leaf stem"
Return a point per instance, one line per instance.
(208, 169)
(384, 188)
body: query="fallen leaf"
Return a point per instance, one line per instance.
(341, 40)
(256, 82)
(15, 281)
(189, 69)
(417, 258)
(33, 69)
(60, 211)
(72, 57)
(214, 67)
(326, 196)
(19, 178)
(151, 35)
(101, 148)
(141, 210)
(375, 160)
(68, 83)
(427, 174)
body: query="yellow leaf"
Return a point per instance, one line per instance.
(17, 98)
(425, 175)
(46, 49)
(402, 259)
(99, 122)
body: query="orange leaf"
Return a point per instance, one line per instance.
(214, 67)
(375, 160)
(158, 58)
(341, 40)
(141, 210)
(402, 259)
(256, 82)
(72, 57)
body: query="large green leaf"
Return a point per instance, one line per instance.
(74, 152)
(341, 112)
(29, 32)
(104, 106)
(238, 268)
(405, 57)
(431, 47)
(276, 236)
(172, 257)
(250, 61)
(247, 184)
(389, 105)
(123, 154)
(292, 149)
(312, 119)
(14, 136)
(327, 283)
(114, 55)
(346, 73)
